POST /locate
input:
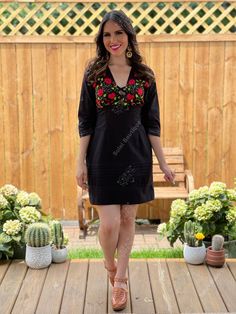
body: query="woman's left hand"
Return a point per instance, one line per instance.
(169, 174)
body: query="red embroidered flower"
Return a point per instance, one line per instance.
(131, 82)
(111, 95)
(94, 84)
(140, 91)
(100, 92)
(107, 80)
(146, 84)
(130, 96)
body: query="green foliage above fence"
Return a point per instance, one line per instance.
(83, 18)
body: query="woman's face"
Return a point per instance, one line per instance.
(115, 39)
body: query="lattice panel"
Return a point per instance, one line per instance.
(148, 17)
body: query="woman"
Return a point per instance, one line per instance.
(118, 126)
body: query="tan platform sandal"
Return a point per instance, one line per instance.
(109, 271)
(119, 295)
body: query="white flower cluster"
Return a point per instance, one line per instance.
(207, 210)
(198, 194)
(161, 229)
(231, 194)
(23, 198)
(12, 227)
(217, 188)
(8, 190)
(178, 208)
(3, 202)
(231, 215)
(29, 214)
(34, 198)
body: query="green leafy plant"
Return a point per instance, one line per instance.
(18, 209)
(212, 208)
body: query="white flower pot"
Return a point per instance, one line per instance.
(194, 255)
(38, 257)
(59, 255)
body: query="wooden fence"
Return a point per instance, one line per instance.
(44, 47)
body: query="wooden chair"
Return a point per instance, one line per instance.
(184, 183)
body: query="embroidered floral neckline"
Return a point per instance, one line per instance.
(114, 81)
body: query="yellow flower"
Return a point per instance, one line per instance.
(199, 236)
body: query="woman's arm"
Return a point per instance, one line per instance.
(156, 145)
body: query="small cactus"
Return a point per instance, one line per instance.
(38, 234)
(217, 242)
(189, 233)
(57, 234)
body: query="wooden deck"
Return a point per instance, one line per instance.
(81, 286)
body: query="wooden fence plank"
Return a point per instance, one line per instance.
(11, 284)
(229, 114)
(52, 293)
(163, 293)
(30, 291)
(24, 93)
(215, 112)
(54, 64)
(75, 287)
(201, 69)
(141, 294)
(226, 285)
(2, 138)
(96, 293)
(41, 125)
(209, 296)
(11, 115)
(186, 90)
(69, 109)
(184, 287)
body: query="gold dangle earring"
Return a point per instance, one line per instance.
(129, 53)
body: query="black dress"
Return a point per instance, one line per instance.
(119, 154)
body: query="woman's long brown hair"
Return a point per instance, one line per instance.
(98, 64)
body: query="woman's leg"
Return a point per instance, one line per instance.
(108, 231)
(126, 238)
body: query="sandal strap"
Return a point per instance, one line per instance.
(121, 279)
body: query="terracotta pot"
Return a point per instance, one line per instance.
(215, 258)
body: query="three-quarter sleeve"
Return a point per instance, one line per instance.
(87, 109)
(150, 111)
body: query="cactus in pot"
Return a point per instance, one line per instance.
(59, 250)
(194, 248)
(216, 253)
(38, 250)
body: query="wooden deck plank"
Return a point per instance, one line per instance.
(52, 293)
(11, 284)
(184, 287)
(4, 264)
(226, 285)
(163, 293)
(232, 266)
(140, 289)
(27, 301)
(96, 293)
(75, 287)
(209, 296)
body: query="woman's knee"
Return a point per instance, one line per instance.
(128, 214)
(109, 216)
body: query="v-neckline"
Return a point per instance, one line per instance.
(115, 80)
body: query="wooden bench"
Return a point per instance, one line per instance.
(184, 183)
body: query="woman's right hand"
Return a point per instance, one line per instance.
(81, 175)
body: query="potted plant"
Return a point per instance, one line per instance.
(18, 209)
(211, 208)
(215, 255)
(38, 248)
(194, 248)
(59, 242)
